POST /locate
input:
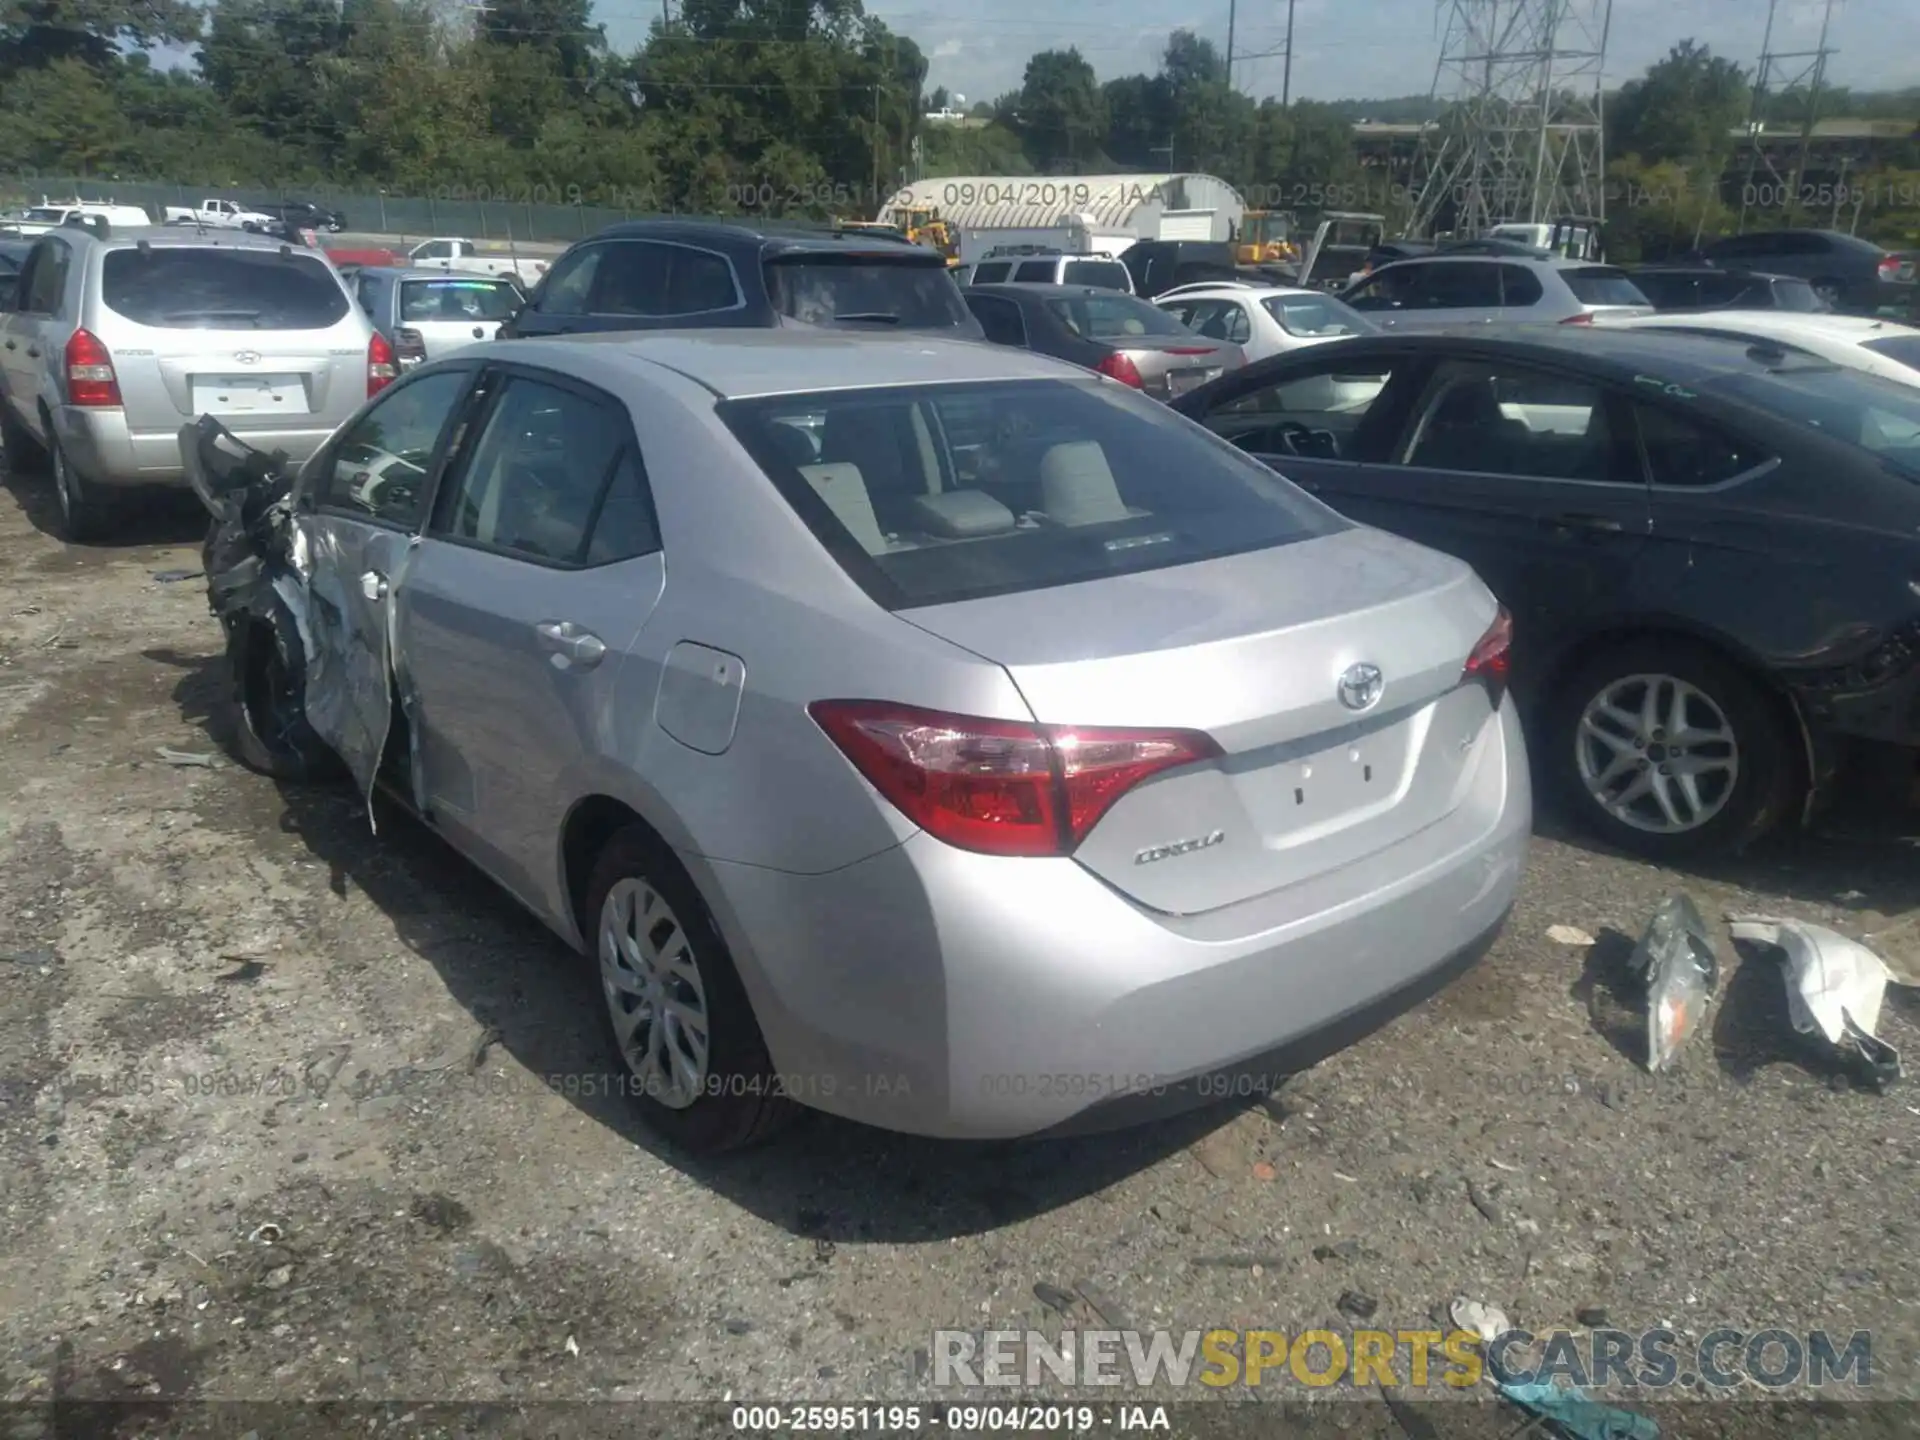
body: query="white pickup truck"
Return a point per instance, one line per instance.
(220, 214)
(465, 255)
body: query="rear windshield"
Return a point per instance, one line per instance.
(931, 494)
(1114, 317)
(188, 289)
(1797, 296)
(1601, 286)
(1107, 274)
(822, 289)
(457, 300)
(1317, 317)
(1866, 410)
(1904, 348)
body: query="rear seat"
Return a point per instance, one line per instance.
(846, 495)
(1077, 486)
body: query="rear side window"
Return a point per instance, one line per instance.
(1904, 348)
(1001, 319)
(1114, 317)
(1107, 274)
(1669, 292)
(455, 300)
(188, 289)
(1457, 285)
(822, 289)
(1034, 272)
(932, 494)
(1686, 453)
(1797, 296)
(1876, 414)
(1520, 286)
(1317, 317)
(1601, 286)
(991, 272)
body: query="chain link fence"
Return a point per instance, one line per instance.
(530, 214)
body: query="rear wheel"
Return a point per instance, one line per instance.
(1668, 750)
(82, 509)
(681, 1027)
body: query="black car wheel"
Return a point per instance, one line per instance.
(82, 510)
(1666, 749)
(681, 1028)
(271, 735)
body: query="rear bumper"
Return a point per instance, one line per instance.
(107, 450)
(944, 993)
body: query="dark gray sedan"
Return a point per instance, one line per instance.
(1116, 335)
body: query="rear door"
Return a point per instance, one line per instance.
(539, 566)
(1000, 318)
(1532, 477)
(267, 340)
(360, 502)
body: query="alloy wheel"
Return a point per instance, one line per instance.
(1657, 754)
(654, 993)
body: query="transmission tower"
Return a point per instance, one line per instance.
(1784, 72)
(1522, 140)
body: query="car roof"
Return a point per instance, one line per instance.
(1039, 290)
(1622, 352)
(1544, 259)
(789, 239)
(1780, 325)
(1241, 292)
(1683, 267)
(742, 364)
(186, 237)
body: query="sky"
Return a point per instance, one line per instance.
(1345, 48)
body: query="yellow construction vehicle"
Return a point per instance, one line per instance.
(1266, 238)
(923, 226)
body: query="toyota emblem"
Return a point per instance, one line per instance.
(247, 357)
(1361, 686)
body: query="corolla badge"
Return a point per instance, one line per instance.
(1179, 847)
(1361, 686)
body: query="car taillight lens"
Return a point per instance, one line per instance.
(1000, 787)
(381, 366)
(412, 344)
(1487, 663)
(1583, 318)
(90, 377)
(1119, 366)
(1889, 267)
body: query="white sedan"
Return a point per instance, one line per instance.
(1264, 320)
(1880, 347)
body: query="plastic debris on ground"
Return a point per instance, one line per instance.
(1569, 935)
(1489, 1322)
(1676, 963)
(1834, 988)
(1572, 1413)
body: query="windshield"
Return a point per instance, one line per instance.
(1024, 485)
(1264, 229)
(188, 289)
(1603, 287)
(821, 289)
(1106, 274)
(1114, 317)
(1904, 348)
(462, 301)
(1317, 317)
(1876, 414)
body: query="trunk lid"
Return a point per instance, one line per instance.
(252, 380)
(1170, 366)
(1252, 650)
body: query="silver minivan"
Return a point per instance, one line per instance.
(109, 344)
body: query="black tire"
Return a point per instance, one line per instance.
(271, 736)
(1768, 781)
(736, 1104)
(82, 509)
(25, 455)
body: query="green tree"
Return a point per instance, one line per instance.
(36, 33)
(1686, 109)
(1061, 111)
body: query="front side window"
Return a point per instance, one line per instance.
(1519, 286)
(379, 468)
(1223, 320)
(1000, 319)
(1458, 285)
(931, 494)
(537, 473)
(46, 278)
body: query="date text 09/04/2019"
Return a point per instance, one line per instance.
(955, 1419)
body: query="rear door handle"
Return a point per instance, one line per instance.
(570, 645)
(1604, 523)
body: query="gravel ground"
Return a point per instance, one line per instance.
(285, 1112)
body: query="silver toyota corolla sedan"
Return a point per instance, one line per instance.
(925, 732)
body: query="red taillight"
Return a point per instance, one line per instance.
(999, 787)
(1585, 317)
(90, 377)
(412, 344)
(381, 366)
(1119, 366)
(1889, 267)
(1487, 663)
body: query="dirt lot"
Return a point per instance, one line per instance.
(285, 1111)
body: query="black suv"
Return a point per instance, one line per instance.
(305, 215)
(693, 274)
(1681, 288)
